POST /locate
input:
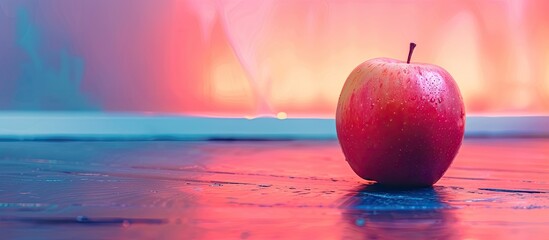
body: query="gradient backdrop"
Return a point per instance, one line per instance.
(250, 58)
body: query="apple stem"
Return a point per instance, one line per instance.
(412, 46)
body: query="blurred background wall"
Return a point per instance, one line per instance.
(250, 58)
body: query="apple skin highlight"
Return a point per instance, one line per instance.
(400, 124)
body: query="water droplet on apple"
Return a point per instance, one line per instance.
(439, 100)
(372, 106)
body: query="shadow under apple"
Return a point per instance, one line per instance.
(376, 212)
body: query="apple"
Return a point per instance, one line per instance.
(400, 123)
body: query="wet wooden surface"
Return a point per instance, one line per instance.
(496, 188)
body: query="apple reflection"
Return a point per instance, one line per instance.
(375, 212)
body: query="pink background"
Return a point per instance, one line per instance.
(250, 58)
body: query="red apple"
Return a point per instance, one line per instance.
(400, 123)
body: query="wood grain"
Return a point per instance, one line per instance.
(496, 188)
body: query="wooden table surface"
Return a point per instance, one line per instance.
(495, 189)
